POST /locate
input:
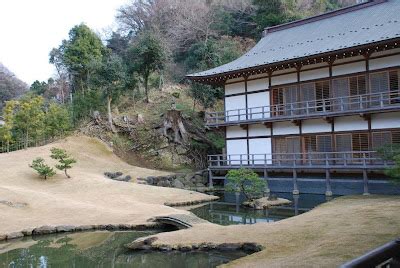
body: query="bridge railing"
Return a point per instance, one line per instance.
(339, 105)
(351, 159)
(385, 256)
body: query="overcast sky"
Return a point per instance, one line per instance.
(29, 29)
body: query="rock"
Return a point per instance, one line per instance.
(199, 185)
(118, 173)
(229, 246)
(200, 179)
(164, 184)
(125, 226)
(127, 178)
(150, 180)
(263, 203)
(251, 247)
(27, 232)
(14, 235)
(44, 230)
(185, 248)
(84, 228)
(178, 184)
(3, 237)
(65, 228)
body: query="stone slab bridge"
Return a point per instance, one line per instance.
(181, 221)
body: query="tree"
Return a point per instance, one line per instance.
(392, 152)
(57, 120)
(109, 77)
(147, 55)
(206, 95)
(78, 53)
(6, 130)
(64, 159)
(246, 181)
(38, 88)
(29, 118)
(44, 170)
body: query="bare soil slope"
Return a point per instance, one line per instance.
(27, 201)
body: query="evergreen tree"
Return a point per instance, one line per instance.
(44, 170)
(64, 159)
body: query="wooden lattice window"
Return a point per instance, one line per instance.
(380, 139)
(357, 85)
(396, 137)
(343, 142)
(360, 142)
(324, 143)
(379, 82)
(322, 90)
(394, 81)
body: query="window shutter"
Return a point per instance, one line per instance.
(380, 139)
(360, 142)
(343, 142)
(379, 82)
(324, 143)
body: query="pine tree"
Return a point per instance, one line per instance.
(64, 159)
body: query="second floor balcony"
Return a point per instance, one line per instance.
(329, 107)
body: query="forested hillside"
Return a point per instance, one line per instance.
(130, 89)
(10, 86)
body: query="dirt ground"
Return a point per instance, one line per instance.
(327, 236)
(27, 201)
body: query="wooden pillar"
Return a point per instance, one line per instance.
(295, 187)
(328, 183)
(267, 190)
(296, 204)
(365, 180)
(237, 203)
(210, 179)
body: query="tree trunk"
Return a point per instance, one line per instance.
(66, 174)
(146, 84)
(26, 139)
(110, 122)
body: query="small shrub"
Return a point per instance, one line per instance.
(44, 170)
(246, 181)
(64, 159)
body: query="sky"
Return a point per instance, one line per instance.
(29, 29)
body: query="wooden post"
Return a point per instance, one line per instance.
(365, 177)
(210, 179)
(266, 190)
(237, 199)
(295, 187)
(296, 204)
(328, 183)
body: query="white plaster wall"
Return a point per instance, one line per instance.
(385, 62)
(349, 123)
(256, 101)
(314, 74)
(259, 130)
(259, 84)
(285, 128)
(283, 79)
(234, 88)
(232, 104)
(349, 68)
(234, 148)
(315, 126)
(261, 149)
(385, 120)
(237, 79)
(235, 132)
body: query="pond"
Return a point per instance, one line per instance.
(101, 249)
(227, 210)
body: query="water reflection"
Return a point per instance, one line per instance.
(228, 210)
(100, 249)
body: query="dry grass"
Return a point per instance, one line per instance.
(87, 198)
(324, 237)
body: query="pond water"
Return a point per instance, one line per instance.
(227, 210)
(100, 249)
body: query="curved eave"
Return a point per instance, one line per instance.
(220, 78)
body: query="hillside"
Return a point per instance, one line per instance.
(26, 201)
(10, 86)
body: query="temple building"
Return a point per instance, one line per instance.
(317, 96)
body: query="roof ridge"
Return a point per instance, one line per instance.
(321, 16)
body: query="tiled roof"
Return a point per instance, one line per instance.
(370, 22)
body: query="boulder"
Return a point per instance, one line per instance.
(14, 235)
(141, 243)
(27, 232)
(65, 228)
(264, 202)
(178, 184)
(44, 230)
(3, 237)
(84, 228)
(164, 184)
(150, 180)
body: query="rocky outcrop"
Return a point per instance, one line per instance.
(265, 202)
(196, 181)
(117, 176)
(148, 244)
(43, 230)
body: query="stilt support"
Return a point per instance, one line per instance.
(295, 187)
(328, 183)
(365, 179)
(210, 179)
(267, 190)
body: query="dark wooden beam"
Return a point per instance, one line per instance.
(268, 124)
(296, 122)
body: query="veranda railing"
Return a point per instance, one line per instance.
(339, 105)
